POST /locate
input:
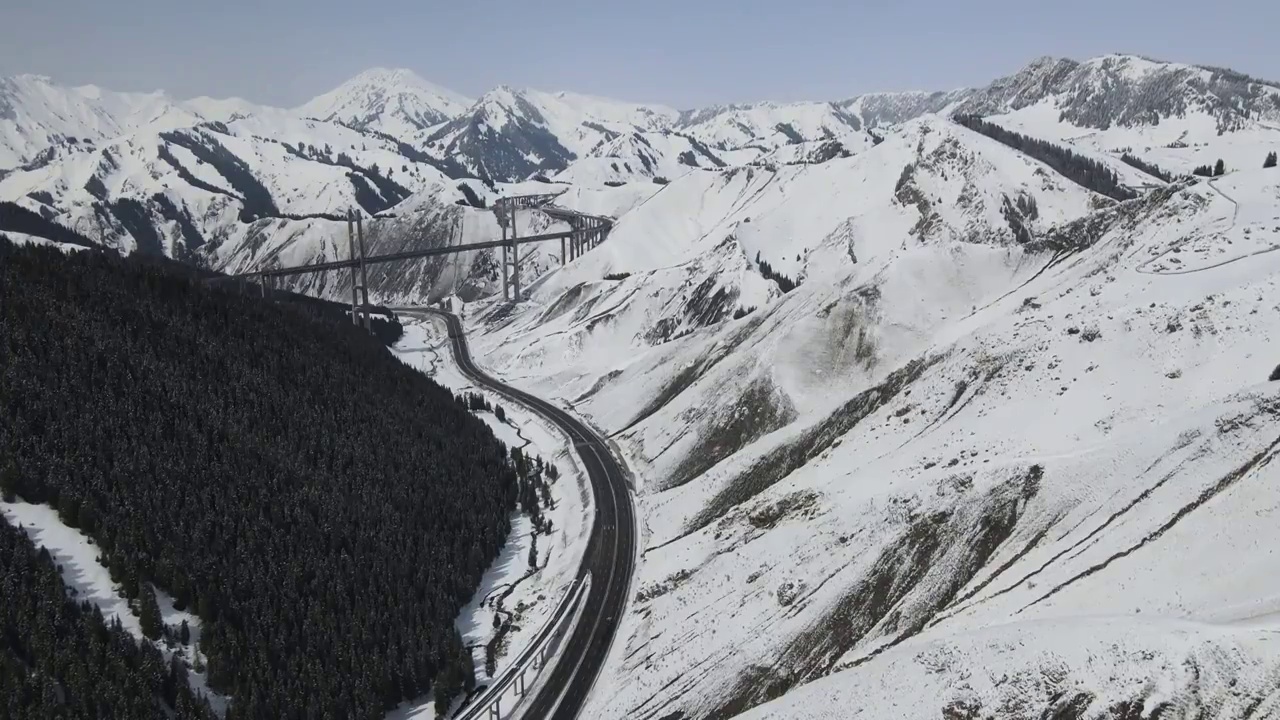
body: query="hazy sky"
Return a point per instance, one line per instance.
(678, 52)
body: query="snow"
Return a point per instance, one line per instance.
(76, 555)
(1017, 669)
(23, 239)
(535, 596)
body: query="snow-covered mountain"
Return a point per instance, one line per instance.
(38, 116)
(222, 195)
(510, 134)
(397, 102)
(1175, 116)
(951, 472)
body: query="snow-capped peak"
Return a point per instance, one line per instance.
(394, 101)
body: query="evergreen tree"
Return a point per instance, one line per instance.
(184, 633)
(1270, 162)
(8, 480)
(1219, 168)
(500, 413)
(149, 612)
(533, 553)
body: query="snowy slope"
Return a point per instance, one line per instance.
(640, 156)
(397, 102)
(770, 125)
(942, 430)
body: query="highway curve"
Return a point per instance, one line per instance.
(609, 557)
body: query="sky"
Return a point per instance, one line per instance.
(683, 53)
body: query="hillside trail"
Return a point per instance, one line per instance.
(1235, 216)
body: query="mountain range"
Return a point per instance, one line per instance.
(954, 403)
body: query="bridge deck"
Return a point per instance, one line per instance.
(393, 257)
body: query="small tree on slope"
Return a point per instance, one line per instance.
(149, 612)
(1271, 160)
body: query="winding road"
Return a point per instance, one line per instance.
(609, 558)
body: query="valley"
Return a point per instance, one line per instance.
(959, 403)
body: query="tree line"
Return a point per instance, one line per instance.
(1148, 168)
(1216, 170)
(784, 283)
(326, 510)
(1081, 170)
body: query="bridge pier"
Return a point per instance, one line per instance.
(351, 252)
(515, 272)
(562, 255)
(515, 257)
(364, 275)
(506, 288)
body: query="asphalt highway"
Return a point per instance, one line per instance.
(609, 557)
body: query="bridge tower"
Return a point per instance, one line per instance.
(360, 286)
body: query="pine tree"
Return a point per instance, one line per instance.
(1271, 160)
(149, 612)
(8, 481)
(502, 414)
(184, 633)
(1220, 168)
(533, 553)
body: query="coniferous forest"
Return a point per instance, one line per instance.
(325, 509)
(60, 659)
(1081, 170)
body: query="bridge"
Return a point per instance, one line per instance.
(586, 232)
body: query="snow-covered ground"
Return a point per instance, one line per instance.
(529, 597)
(77, 557)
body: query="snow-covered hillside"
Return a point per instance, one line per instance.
(943, 429)
(770, 125)
(641, 156)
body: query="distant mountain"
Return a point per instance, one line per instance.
(397, 102)
(38, 116)
(75, 154)
(510, 134)
(768, 125)
(1129, 91)
(640, 156)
